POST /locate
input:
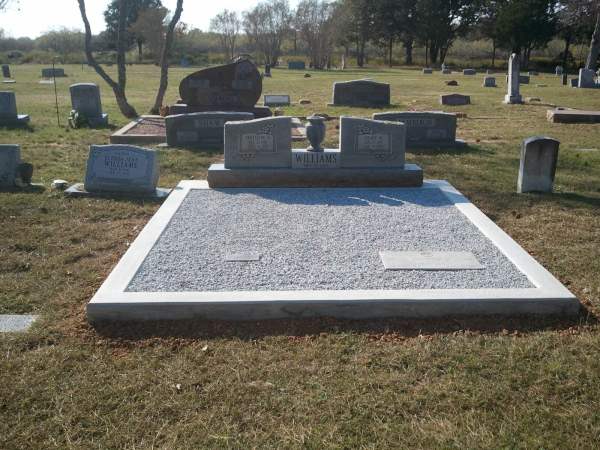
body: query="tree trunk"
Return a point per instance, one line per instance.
(426, 53)
(164, 59)
(565, 58)
(391, 48)
(592, 59)
(140, 52)
(408, 48)
(493, 52)
(433, 53)
(118, 88)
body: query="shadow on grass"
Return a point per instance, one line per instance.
(382, 329)
(458, 150)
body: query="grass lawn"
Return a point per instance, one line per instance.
(456, 383)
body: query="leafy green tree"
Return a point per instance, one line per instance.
(395, 21)
(523, 25)
(440, 22)
(132, 10)
(361, 25)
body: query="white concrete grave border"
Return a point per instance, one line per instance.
(113, 302)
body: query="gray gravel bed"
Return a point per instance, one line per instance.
(316, 239)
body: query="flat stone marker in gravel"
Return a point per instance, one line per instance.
(202, 129)
(8, 110)
(372, 143)
(455, 99)
(425, 128)
(85, 99)
(258, 143)
(539, 156)
(13, 323)
(123, 170)
(366, 93)
(424, 260)
(10, 157)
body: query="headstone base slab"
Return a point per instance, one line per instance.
(20, 120)
(78, 191)
(409, 176)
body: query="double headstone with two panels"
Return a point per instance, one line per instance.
(425, 129)
(366, 93)
(8, 110)
(258, 153)
(85, 99)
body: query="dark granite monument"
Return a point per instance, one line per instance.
(365, 93)
(232, 87)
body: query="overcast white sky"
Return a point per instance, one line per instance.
(34, 17)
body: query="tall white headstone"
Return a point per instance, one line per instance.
(513, 96)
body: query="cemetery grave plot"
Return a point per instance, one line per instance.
(152, 130)
(317, 252)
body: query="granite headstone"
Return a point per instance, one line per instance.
(202, 129)
(53, 73)
(587, 79)
(8, 110)
(469, 72)
(85, 99)
(371, 143)
(425, 128)
(489, 82)
(364, 93)
(263, 142)
(513, 96)
(5, 70)
(296, 65)
(537, 168)
(455, 99)
(10, 157)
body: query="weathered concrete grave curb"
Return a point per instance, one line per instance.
(118, 299)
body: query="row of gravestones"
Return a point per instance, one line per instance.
(205, 129)
(85, 100)
(266, 144)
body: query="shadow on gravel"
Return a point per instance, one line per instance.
(389, 329)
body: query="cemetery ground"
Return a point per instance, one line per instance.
(453, 383)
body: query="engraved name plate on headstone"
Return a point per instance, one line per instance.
(259, 143)
(121, 168)
(202, 129)
(372, 143)
(424, 128)
(327, 159)
(10, 157)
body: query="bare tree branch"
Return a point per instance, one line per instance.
(117, 87)
(164, 58)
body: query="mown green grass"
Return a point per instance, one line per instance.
(456, 383)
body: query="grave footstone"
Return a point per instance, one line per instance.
(85, 99)
(5, 70)
(123, 170)
(469, 72)
(202, 129)
(425, 128)
(537, 168)
(53, 73)
(10, 157)
(455, 99)
(366, 93)
(234, 87)
(489, 82)
(372, 143)
(296, 65)
(8, 110)
(587, 79)
(513, 96)
(263, 143)
(276, 100)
